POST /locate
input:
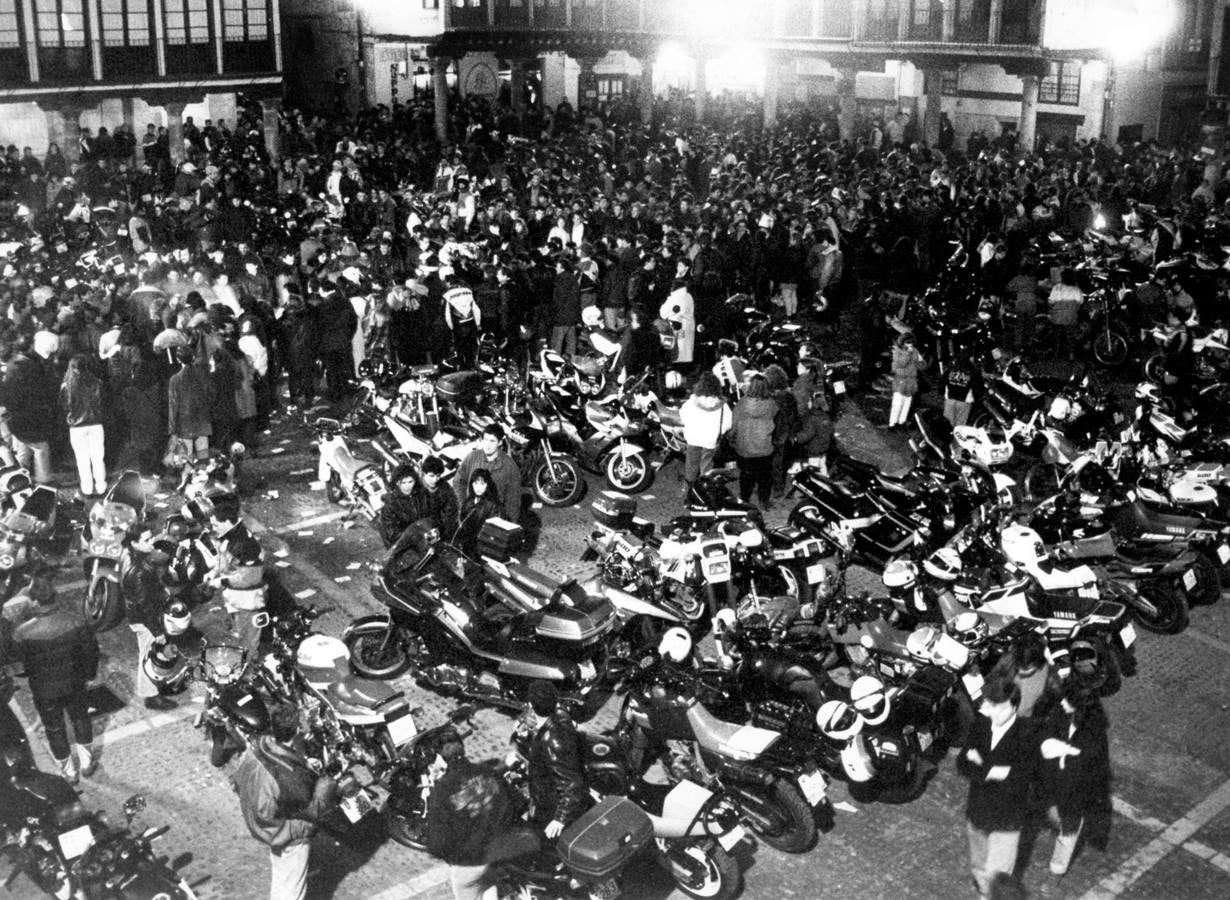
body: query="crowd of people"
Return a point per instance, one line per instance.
(163, 303)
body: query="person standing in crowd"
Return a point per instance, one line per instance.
(29, 392)
(464, 319)
(556, 774)
(82, 402)
(1000, 760)
(283, 798)
(60, 654)
(814, 436)
(1023, 290)
(189, 402)
(1076, 782)
(402, 505)
(680, 311)
(907, 363)
(962, 382)
(565, 308)
(335, 327)
(1064, 305)
(482, 502)
(706, 417)
(505, 476)
(754, 441)
(143, 606)
(438, 499)
(141, 404)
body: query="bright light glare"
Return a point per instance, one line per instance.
(727, 17)
(673, 65)
(1127, 29)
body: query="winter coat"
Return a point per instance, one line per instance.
(29, 393)
(504, 475)
(906, 365)
(470, 813)
(566, 300)
(336, 324)
(141, 411)
(474, 512)
(281, 798)
(680, 310)
(1081, 789)
(59, 650)
(754, 423)
(189, 398)
(82, 404)
(999, 805)
(556, 776)
(705, 420)
(245, 387)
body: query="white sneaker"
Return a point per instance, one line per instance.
(88, 759)
(69, 768)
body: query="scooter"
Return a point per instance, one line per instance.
(102, 546)
(354, 482)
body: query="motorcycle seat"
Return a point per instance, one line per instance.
(346, 464)
(537, 583)
(670, 417)
(361, 693)
(727, 738)
(41, 785)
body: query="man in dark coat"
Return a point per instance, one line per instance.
(1001, 760)
(299, 328)
(30, 390)
(61, 656)
(556, 775)
(335, 326)
(565, 308)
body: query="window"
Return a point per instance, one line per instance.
(125, 23)
(61, 23)
(188, 22)
(1062, 84)
(922, 13)
(948, 83)
(244, 20)
(10, 29)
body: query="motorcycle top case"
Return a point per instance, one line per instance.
(614, 510)
(463, 387)
(600, 842)
(500, 539)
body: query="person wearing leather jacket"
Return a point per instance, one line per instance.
(82, 403)
(556, 776)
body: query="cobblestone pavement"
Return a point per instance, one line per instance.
(1170, 740)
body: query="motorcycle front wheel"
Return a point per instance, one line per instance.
(1110, 349)
(219, 752)
(377, 654)
(630, 474)
(708, 872)
(407, 830)
(101, 606)
(557, 481)
(779, 815)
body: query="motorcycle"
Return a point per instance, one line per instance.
(23, 532)
(359, 484)
(102, 546)
(440, 623)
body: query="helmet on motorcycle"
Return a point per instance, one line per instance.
(176, 618)
(322, 659)
(675, 645)
(837, 720)
(165, 665)
(944, 564)
(1060, 409)
(591, 317)
(1147, 390)
(900, 574)
(969, 628)
(725, 618)
(673, 380)
(1022, 545)
(869, 699)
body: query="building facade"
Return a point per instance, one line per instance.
(67, 64)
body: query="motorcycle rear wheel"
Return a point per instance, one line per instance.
(101, 605)
(722, 878)
(372, 657)
(557, 481)
(1154, 368)
(791, 824)
(1171, 615)
(1208, 581)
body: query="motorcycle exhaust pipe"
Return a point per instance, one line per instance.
(385, 453)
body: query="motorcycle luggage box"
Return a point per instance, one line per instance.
(600, 842)
(922, 695)
(614, 510)
(460, 387)
(500, 539)
(580, 619)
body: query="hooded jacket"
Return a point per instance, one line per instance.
(705, 420)
(281, 798)
(754, 422)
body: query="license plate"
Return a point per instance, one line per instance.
(839, 387)
(402, 729)
(815, 573)
(1223, 554)
(604, 890)
(814, 787)
(1127, 634)
(74, 843)
(356, 807)
(716, 572)
(1189, 579)
(732, 838)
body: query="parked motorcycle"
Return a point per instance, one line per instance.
(357, 483)
(102, 549)
(24, 531)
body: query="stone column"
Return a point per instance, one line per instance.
(57, 132)
(439, 82)
(587, 83)
(646, 95)
(128, 109)
(948, 22)
(931, 115)
(516, 87)
(269, 125)
(95, 38)
(1026, 125)
(995, 22)
(700, 84)
(771, 85)
(175, 131)
(858, 18)
(846, 103)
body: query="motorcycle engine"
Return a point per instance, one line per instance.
(618, 572)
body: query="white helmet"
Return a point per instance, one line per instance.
(322, 659)
(868, 697)
(723, 620)
(176, 618)
(1022, 546)
(675, 645)
(969, 628)
(1060, 409)
(838, 720)
(673, 380)
(591, 317)
(1147, 390)
(944, 564)
(900, 573)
